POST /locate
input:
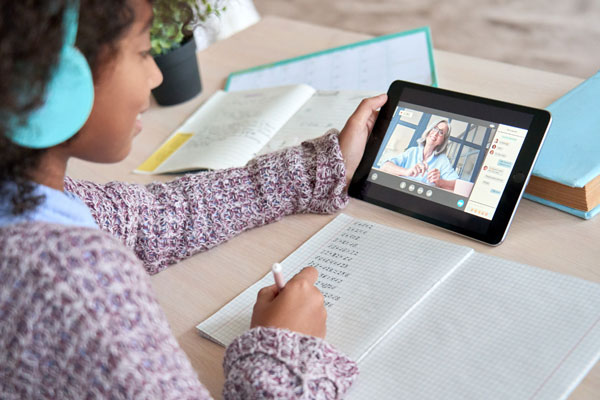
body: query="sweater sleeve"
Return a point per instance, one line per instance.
(276, 363)
(167, 222)
(80, 321)
(84, 322)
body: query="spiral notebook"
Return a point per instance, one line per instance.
(428, 319)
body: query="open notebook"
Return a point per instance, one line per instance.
(428, 319)
(232, 128)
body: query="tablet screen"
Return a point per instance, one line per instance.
(455, 160)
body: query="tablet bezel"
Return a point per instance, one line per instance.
(492, 231)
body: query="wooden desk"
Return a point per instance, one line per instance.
(199, 286)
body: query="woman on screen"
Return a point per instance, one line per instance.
(426, 162)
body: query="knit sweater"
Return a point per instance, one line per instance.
(78, 318)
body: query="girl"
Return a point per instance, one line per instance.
(78, 318)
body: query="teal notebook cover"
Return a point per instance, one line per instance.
(571, 152)
(380, 40)
(574, 211)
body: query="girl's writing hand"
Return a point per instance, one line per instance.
(297, 307)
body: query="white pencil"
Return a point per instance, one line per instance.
(279, 281)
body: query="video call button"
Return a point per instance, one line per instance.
(460, 203)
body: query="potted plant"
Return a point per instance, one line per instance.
(174, 48)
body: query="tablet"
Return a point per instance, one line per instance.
(457, 161)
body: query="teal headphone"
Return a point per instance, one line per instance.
(69, 96)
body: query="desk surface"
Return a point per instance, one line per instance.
(195, 288)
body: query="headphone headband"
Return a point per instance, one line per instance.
(69, 95)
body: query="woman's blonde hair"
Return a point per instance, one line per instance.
(442, 147)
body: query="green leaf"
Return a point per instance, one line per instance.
(174, 18)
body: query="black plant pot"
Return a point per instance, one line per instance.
(181, 76)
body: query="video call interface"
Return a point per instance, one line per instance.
(457, 161)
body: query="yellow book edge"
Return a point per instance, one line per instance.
(163, 152)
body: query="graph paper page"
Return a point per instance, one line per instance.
(370, 275)
(365, 66)
(493, 330)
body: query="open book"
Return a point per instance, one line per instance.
(428, 319)
(231, 128)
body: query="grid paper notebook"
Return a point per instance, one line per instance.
(367, 65)
(428, 319)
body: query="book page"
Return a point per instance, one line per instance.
(370, 275)
(323, 111)
(494, 329)
(231, 128)
(369, 65)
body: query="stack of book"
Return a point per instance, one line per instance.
(567, 172)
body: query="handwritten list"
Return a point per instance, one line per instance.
(362, 268)
(334, 261)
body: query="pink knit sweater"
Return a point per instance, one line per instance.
(78, 318)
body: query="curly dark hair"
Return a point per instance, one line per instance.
(31, 33)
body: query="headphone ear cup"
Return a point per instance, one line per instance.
(68, 102)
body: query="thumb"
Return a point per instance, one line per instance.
(367, 107)
(267, 294)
